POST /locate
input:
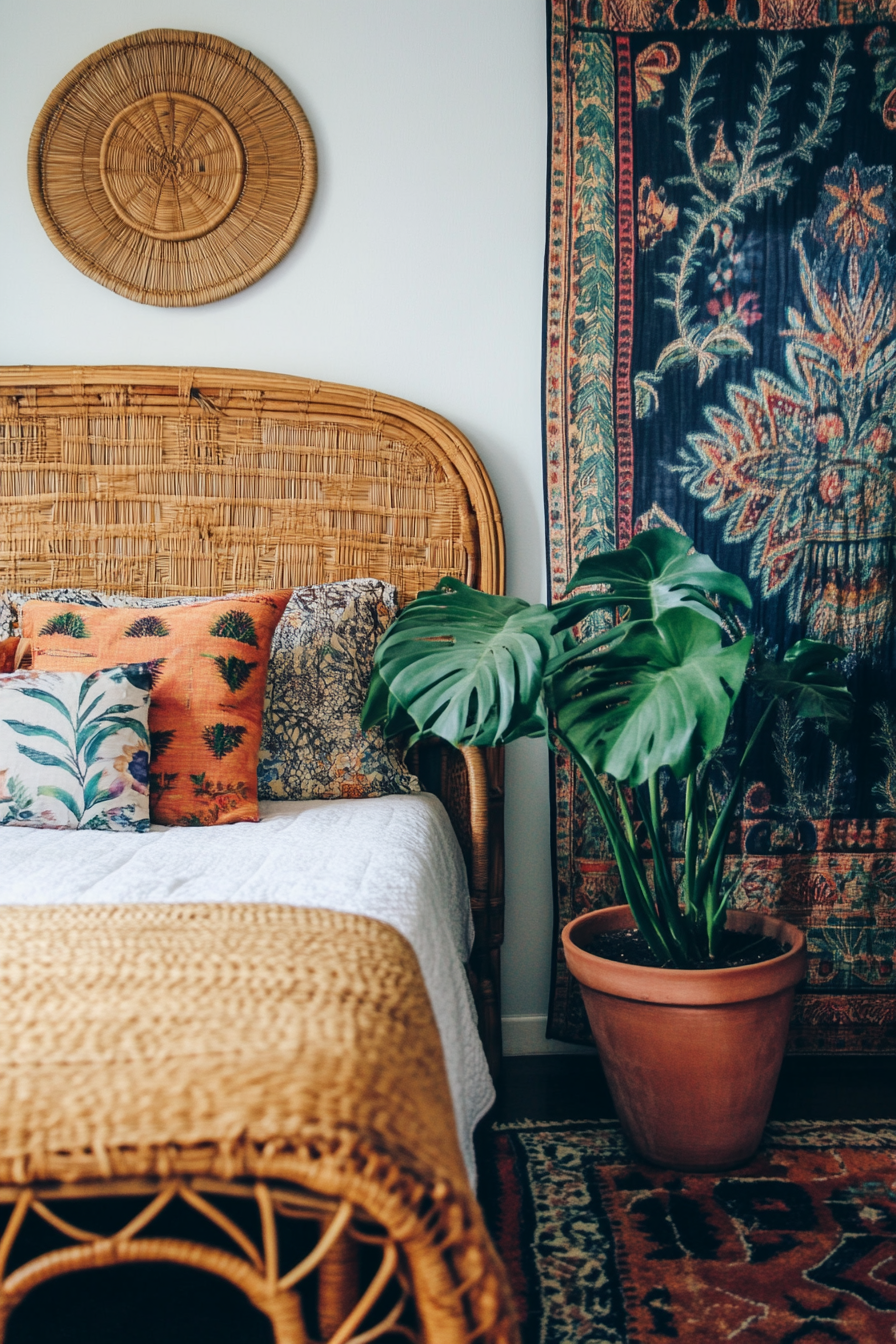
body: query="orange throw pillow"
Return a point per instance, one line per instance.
(208, 664)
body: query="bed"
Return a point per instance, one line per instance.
(189, 482)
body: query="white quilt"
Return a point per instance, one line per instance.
(395, 859)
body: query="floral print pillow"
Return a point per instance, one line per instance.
(74, 749)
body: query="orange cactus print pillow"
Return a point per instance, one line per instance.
(208, 665)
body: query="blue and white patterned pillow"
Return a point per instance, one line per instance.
(74, 749)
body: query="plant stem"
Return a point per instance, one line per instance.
(714, 906)
(691, 839)
(663, 878)
(709, 875)
(632, 838)
(675, 927)
(754, 738)
(637, 893)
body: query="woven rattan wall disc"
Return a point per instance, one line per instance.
(174, 168)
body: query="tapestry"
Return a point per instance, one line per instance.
(720, 357)
(600, 1248)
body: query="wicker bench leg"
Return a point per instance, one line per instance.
(338, 1285)
(343, 1304)
(281, 1308)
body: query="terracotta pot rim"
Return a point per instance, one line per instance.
(674, 971)
(695, 986)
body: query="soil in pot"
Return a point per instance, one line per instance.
(737, 949)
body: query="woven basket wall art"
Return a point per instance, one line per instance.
(172, 167)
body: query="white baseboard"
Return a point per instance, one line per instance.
(525, 1036)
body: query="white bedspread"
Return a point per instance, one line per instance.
(395, 859)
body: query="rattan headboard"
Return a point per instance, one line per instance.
(162, 481)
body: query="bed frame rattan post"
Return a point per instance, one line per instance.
(485, 773)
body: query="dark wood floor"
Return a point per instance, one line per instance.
(572, 1087)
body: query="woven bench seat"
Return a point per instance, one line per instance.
(284, 1055)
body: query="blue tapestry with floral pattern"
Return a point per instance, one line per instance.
(721, 358)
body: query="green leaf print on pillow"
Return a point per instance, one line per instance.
(161, 740)
(147, 627)
(15, 798)
(235, 671)
(154, 668)
(235, 624)
(66, 623)
(223, 738)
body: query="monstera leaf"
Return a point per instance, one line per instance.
(816, 690)
(465, 666)
(661, 695)
(652, 691)
(658, 571)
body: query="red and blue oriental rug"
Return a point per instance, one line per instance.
(721, 357)
(800, 1245)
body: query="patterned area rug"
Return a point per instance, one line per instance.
(720, 357)
(800, 1245)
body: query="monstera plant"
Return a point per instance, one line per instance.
(648, 685)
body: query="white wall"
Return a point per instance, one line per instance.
(419, 271)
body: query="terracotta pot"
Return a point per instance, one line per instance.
(691, 1057)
